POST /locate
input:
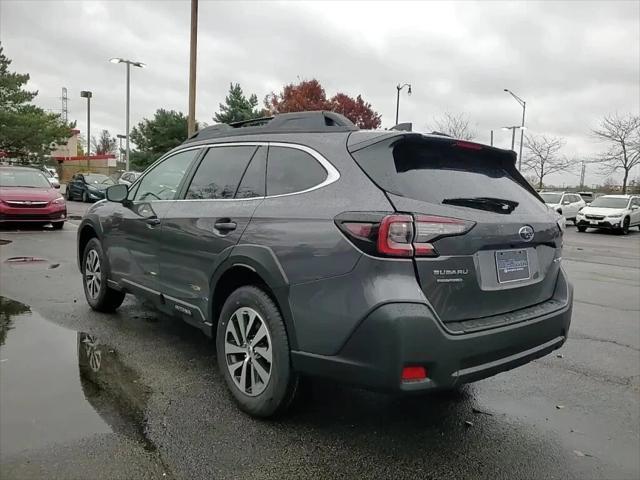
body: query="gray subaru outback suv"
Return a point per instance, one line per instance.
(391, 260)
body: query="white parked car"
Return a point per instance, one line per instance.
(52, 176)
(566, 204)
(616, 212)
(127, 178)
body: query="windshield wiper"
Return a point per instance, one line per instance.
(497, 205)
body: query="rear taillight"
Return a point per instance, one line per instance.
(395, 236)
(430, 228)
(399, 235)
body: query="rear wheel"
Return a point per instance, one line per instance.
(253, 353)
(582, 229)
(95, 273)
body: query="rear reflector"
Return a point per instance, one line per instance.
(413, 374)
(360, 230)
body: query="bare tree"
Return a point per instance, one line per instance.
(455, 125)
(623, 136)
(543, 156)
(104, 143)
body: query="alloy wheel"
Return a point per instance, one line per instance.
(248, 351)
(93, 274)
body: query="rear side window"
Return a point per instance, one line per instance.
(291, 170)
(441, 172)
(253, 181)
(219, 173)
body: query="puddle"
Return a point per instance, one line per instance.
(58, 385)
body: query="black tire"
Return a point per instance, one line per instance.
(57, 225)
(85, 197)
(625, 226)
(282, 384)
(582, 229)
(67, 193)
(104, 298)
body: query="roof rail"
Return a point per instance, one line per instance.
(296, 122)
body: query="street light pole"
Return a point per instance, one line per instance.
(523, 104)
(128, 106)
(398, 88)
(135, 64)
(120, 137)
(87, 94)
(193, 54)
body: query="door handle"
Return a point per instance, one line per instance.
(225, 226)
(153, 221)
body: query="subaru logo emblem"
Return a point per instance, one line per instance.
(526, 233)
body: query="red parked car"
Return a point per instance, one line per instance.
(27, 196)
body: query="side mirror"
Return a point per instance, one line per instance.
(634, 207)
(117, 193)
(57, 186)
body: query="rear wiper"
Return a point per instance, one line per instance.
(497, 205)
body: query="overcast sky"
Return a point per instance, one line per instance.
(573, 62)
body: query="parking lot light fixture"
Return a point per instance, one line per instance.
(87, 94)
(523, 104)
(135, 64)
(513, 136)
(398, 88)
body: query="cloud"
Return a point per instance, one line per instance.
(572, 61)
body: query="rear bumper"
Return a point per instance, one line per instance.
(400, 334)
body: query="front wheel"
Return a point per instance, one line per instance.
(85, 197)
(625, 226)
(100, 296)
(57, 225)
(253, 353)
(582, 229)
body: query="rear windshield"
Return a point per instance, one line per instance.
(551, 197)
(440, 172)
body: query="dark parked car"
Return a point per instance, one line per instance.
(391, 260)
(27, 196)
(88, 187)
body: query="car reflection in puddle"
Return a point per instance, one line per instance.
(57, 385)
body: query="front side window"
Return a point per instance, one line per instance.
(162, 182)
(220, 172)
(291, 170)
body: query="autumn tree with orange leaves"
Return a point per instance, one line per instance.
(309, 95)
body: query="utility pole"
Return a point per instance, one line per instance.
(582, 172)
(65, 110)
(193, 51)
(492, 138)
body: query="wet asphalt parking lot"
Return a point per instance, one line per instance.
(138, 394)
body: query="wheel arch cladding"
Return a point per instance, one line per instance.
(85, 233)
(252, 265)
